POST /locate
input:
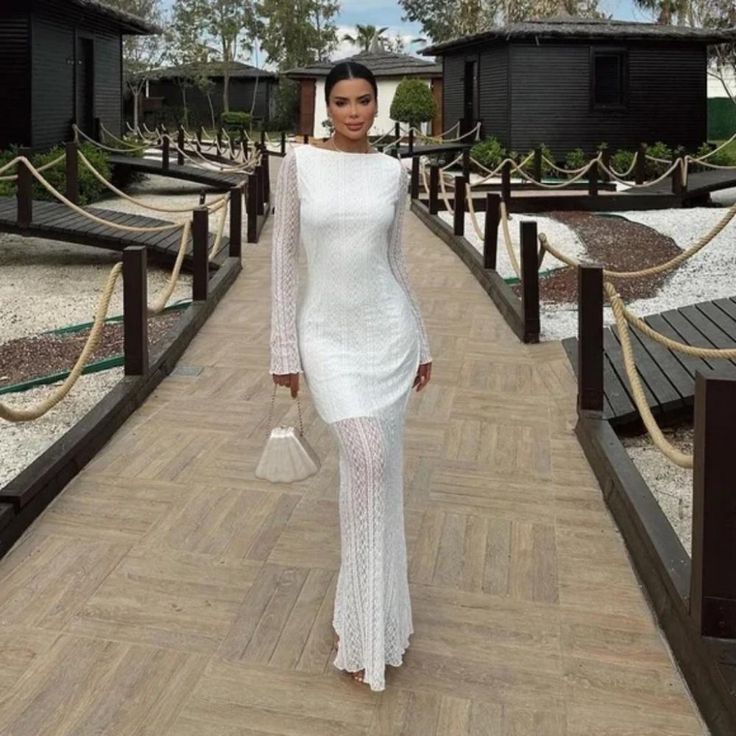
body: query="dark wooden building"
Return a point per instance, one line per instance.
(61, 62)
(571, 82)
(167, 89)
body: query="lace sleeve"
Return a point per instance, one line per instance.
(284, 274)
(398, 264)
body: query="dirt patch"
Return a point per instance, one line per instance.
(619, 244)
(42, 355)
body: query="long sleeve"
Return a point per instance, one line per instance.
(398, 265)
(284, 270)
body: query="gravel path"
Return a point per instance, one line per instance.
(47, 285)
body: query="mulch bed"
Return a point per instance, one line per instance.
(41, 355)
(617, 243)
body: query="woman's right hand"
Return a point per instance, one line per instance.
(287, 379)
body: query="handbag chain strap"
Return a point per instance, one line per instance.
(270, 411)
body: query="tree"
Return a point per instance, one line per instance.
(365, 35)
(413, 102)
(141, 54)
(719, 14)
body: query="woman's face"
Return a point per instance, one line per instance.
(352, 107)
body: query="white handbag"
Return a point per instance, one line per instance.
(287, 456)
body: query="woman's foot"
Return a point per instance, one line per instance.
(357, 676)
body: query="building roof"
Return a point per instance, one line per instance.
(126, 22)
(381, 63)
(212, 69)
(586, 29)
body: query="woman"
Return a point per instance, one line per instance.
(359, 338)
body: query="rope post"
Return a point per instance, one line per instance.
(165, 151)
(529, 280)
(593, 180)
(713, 570)
(397, 133)
(590, 338)
(135, 310)
(458, 219)
(466, 164)
(537, 174)
(251, 208)
(283, 143)
(72, 171)
(199, 137)
(640, 164)
(24, 192)
(218, 136)
(414, 189)
(260, 189)
(236, 221)
(678, 183)
(180, 145)
(263, 136)
(97, 130)
(266, 173)
(506, 184)
(490, 232)
(606, 161)
(306, 138)
(411, 140)
(434, 184)
(200, 256)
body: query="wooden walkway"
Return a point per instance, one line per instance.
(168, 592)
(668, 377)
(56, 221)
(216, 179)
(699, 184)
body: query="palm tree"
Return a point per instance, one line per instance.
(365, 36)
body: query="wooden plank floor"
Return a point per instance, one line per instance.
(668, 377)
(200, 175)
(167, 592)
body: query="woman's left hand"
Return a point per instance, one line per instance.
(424, 373)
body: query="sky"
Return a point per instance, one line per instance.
(388, 13)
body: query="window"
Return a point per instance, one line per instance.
(609, 77)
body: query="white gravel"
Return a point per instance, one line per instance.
(47, 285)
(671, 485)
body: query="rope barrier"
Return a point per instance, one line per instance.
(11, 414)
(78, 133)
(507, 240)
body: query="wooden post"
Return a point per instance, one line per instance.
(97, 130)
(72, 171)
(251, 208)
(459, 214)
(266, 173)
(537, 174)
(529, 280)
(506, 184)
(434, 184)
(283, 143)
(466, 164)
(640, 164)
(590, 338)
(236, 220)
(306, 138)
(199, 137)
(397, 132)
(180, 142)
(200, 256)
(678, 179)
(135, 310)
(218, 137)
(165, 150)
(411, 140)
(24, 190)
(414, 190)
(490, 233)
(260, 189)
(593, 180)
(606, 161)
(713, 570)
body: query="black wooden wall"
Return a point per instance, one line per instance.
(532, 94)
(15, 66)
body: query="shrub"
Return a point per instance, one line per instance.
(234, 120)
(654, 169)
(576, 159)
(547, 169)
(413, 102)
(621, 161)
(488, 152)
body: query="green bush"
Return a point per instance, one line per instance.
(234, 120)
(90, 189)
(413, 102)
(621, 161)
(547, 155)
(653, 169)
(576, 159)
(488, 152)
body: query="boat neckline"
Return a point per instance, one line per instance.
(348, 153)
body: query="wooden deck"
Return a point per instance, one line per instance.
(668, 377)
(56, 221)
(168, 592)
(699, 184)
(218, 180)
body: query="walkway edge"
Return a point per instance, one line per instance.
(26, 496)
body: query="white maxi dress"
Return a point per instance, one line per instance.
(356, 333)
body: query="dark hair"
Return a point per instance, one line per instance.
(348, 70)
